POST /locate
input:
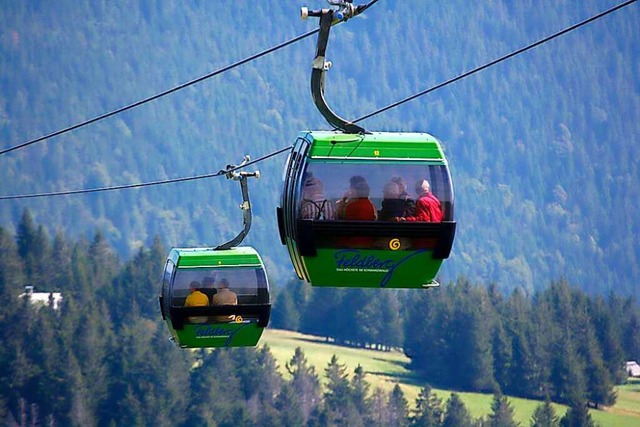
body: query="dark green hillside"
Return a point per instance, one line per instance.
(543, 148)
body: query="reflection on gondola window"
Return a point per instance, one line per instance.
(335, 176)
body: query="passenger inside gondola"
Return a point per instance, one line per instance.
(376, 192)
(392, 205)
(225, 296)
(409, 203)
(314, 204)
(428, 207)
(196, 299)
(355, 205)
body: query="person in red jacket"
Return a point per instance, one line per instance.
(356, 206)
(359, 207)
(428, 207)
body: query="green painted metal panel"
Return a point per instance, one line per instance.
(377, 145)
(236, 334)
(372, 268)
(207, 257)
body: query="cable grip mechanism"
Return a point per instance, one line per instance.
(343, 10)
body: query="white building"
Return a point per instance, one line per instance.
(43, 298)
(632, 368)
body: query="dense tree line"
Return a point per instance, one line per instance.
(542, 147)
(558, 342)
(104, 358)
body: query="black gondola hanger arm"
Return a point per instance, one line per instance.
(329, 17)
(232, 173)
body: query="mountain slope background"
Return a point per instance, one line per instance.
(543, 147)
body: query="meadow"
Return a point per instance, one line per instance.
(386, 369)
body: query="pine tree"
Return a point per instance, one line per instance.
(501, 412)
(398, 408)
(339, 406)
(429, 411)
(285, 313)
(429, 321)
(217, 395)
(288, 407)
(82, 403)
(87, 332)
(103, 264)
(360, 391)
(545, 416)
(608, 330)
(324, 313)
(379, 416)
(60, 369)
(393, 317)
(598, 381)
(12, 277)
(471, 364)
(80, 286)
(456, 413)
(150, 376)
(4, 413)
(261, 382)
(631, 329)
(369, 327)
(540, 334)
(567, 371)
(144, 270)
(33, 248)
(577, 415)
(304, 383)
(62, 275)
(502, 355)
(518, 320)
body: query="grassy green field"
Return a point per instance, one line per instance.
(386, 369)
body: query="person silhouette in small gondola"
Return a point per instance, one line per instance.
(196, 299)
(225, 296)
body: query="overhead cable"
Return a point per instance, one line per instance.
(169, 91)
(390, 106)
(143, 184)
(496, 61)
(159, 95)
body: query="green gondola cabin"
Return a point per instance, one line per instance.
(215, 321)
(334, 247)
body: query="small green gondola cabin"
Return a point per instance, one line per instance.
(329, 246)
(241, 271)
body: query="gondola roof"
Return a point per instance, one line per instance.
(397, 145)
(208, 257)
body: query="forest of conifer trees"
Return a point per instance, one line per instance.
(540, 297)
(104, 357)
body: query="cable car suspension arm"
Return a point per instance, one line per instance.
(241, 176)
(329, 17)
